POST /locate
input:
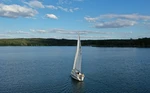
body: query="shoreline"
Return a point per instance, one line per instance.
(139, 43)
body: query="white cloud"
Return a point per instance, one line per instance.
(121, 16)
(95, 37)
(76, 8)
(35, 4)
(51, 7)
(15, 11)
(4, 35)
(38, 31)
(17, 32)
(127, 16)
(70, 32)
(52, 16)
(64, 1)
(63, 33)
(90, 19)
(116, 20)
(68, 1)
(85, 34)
(63, 9)
(116, 16)
(42, 31)
(116, 24)
(70, 10)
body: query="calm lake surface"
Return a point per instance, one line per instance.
(47, 70)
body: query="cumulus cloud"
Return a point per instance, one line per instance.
(116, 24)
(15, 11)
(35, 4)
(52, 16)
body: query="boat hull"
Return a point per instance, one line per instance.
(77, 75)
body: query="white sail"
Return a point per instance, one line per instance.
(78, 57)
(76, 71)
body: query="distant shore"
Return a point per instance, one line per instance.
(141, 42)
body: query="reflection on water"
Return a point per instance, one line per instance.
(77, 87)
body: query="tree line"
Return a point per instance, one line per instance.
(141, 42)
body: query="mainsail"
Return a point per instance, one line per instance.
(78, 57)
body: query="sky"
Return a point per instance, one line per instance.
(92, 19)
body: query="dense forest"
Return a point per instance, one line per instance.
(141, 42)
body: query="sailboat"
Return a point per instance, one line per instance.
(76, 71)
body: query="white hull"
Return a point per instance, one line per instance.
(77, 75)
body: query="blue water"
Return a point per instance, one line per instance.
(47, 70)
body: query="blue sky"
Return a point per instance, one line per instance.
(93, 19)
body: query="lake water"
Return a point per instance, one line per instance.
(47, 70)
